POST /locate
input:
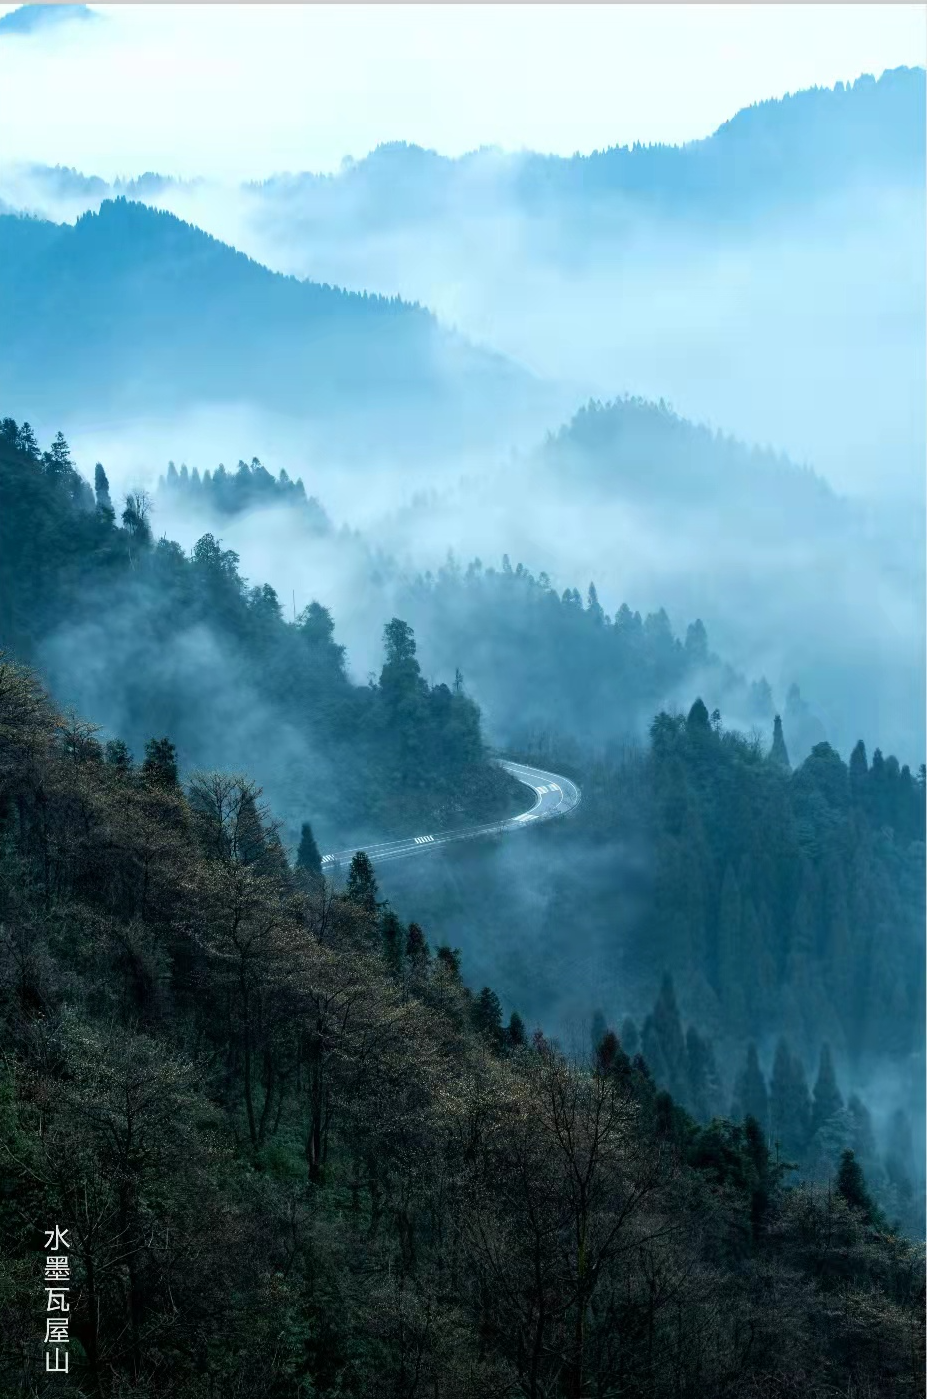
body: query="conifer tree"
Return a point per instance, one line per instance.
(789, 1104)
(361, 887)
(101, 491)
(630, 1038)
(391, 932)
(779, 753)
(750, 1096)
(160, 766)
(308, 858)
(515, 1035)
(828, 1100)
(487, 1015)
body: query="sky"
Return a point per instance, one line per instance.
(243, 91)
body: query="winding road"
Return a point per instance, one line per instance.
(553, 796)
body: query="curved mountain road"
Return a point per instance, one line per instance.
(553, 796)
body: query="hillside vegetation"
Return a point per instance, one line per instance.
(295, 1156)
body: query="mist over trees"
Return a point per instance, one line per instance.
(158, 640)
(163, 316)
(291, 1149)
(630, 1104)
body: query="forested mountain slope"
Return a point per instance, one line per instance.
(151, 640)
(290, 1151)
(131, 311)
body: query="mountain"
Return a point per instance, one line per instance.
(291, 1151)
(798, 146)
(36, 19)
(154, 641)
(132, 311)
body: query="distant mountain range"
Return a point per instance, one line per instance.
(131, 311)
(770, 278)
(31, 19)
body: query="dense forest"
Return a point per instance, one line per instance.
(540, 660)
(786, 904)
(292, 1154)
(155, 640)
(552, 666)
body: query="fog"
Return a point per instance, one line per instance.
(829, 597)
(796, 324)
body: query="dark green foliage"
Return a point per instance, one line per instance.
(361, 887)
(789, 1104)
(285, 1169)
(779, 753)
(171, 637)
(750, 1096)
(827, 1097)
(515, 1034)
(487, 1016)
(392, 934)
(249, 487)
(546, 664)
(308, 858)
(160, 765)
(851, 1182)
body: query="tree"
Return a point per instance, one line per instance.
(487, 1016)
(391, 933)
(698, 722)
(101, 491)
(57, 459)
(828, 1100)
(779, 753)
(118, 756)
(160, 766)
(851, 1183)
(751, 1098)
(859, 772)
(135, 516)
(308, 858)
(515, 1035)
(361, 888)
(789, 1103)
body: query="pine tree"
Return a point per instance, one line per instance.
(750, 1096)
(702, 1076)
(418, 952)
(779, 753)
(57, 459)
(361, 888)
(308, 858)
(160, 766)
(391, 933)
(789, 1104)
(667, 1026)
(851, 1183)
(629, 1036)
(859, 773)
(730, 959)
(118, 755)
(486, 1015)
(828, 1100)
(515, 1035)
(101, 491)
(698, 721)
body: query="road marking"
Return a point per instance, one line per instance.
(327, 859)
(424, 840)
(540, 791)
